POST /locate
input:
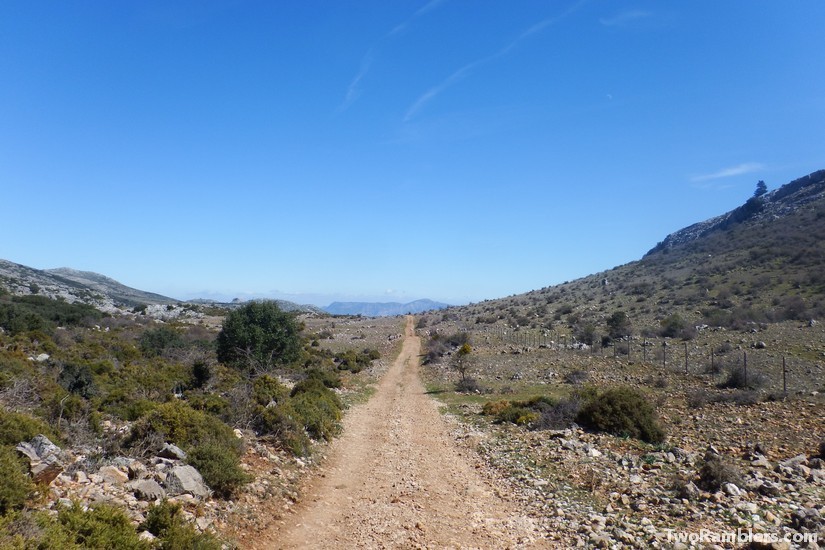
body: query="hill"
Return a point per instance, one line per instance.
(72, 285)
(759, 263)
(105, 293)
(387, 309)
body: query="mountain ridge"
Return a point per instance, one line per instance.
(777, 203)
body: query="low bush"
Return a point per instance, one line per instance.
(320, 413)
(99, 528)
(154, 342)
(559, 415)
(166, 522)
(211, 445)
(716, 472)
(328, 378)
(521, 413)
(17, 427)
(468, 385)
(576, 377)
(178, 423)
(282, 422)
(740, 378)
(623, 412)
(493, 408)
(267, 389)
(16, 486)
(219, 467)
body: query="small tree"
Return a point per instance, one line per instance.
(259, 334)
(761, 189)
(618, 325)
(461, 360)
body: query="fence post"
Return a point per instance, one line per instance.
(644, 351)
(664, 354)
(686, 358)
(784, 376)
(745, 357)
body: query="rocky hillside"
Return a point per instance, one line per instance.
(779, 203)
(763, 262)
(76, 286)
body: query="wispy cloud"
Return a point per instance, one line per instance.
(401, 27)
(738, 170)
(624, 18)
(354, 88)
(468, 69)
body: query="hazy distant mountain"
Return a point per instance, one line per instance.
(284, 305)
(387, 309)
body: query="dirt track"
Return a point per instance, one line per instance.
(396, 479)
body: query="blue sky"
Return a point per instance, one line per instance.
(449, 149)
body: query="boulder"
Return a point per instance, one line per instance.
(113, 475)
(172, 452)
(147, 489)
(44, 457)
(186, 479)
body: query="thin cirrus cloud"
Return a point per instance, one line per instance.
(468, 69)
(738, 170)
(354, 88)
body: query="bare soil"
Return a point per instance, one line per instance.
(397, 479)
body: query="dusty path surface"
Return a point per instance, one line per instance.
(396, 479)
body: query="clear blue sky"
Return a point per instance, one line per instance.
(391, 150)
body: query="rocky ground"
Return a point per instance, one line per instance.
(579, 489)
(596, 490)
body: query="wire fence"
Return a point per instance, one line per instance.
(752, 365)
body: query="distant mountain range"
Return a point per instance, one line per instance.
(387, 309)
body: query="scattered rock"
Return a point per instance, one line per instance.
(186, 479)
(172, 452)
(147, 489)
(113, 475)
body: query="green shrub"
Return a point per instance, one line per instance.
(320, 413)
(102, 527)
(178, 423)
(121, 403)
(267, 389)
(356, 361)
(315, 386)
(77, 379)
(328, 378)
(259, 334)
(166, 522)
(16, 486)
(624, 412)
(219, 467)
(154, 342)
(209, 403)
(518, 415)
(17, 427)
(284, 424)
